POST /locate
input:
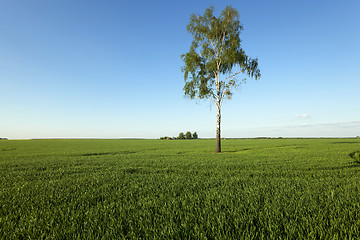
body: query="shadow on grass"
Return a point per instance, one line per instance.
(235, 151)
(106, 153)
(345, 142)
(8, 149)
(352, 165)
(355, 164)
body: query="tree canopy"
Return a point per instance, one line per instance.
(215, 49)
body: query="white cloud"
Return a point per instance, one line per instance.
(304, 115)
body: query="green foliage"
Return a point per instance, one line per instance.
(150, 189)
(215, 51)
(195, 135)
(166, 138)
(188, 135)
(181, 136)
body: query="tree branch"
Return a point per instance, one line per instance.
(227, 87)
(211, 100)
(234, 75)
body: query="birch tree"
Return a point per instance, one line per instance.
(216, 60)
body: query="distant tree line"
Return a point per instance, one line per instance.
(3, 139)
(187, 135)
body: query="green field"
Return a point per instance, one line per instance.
(153, 189)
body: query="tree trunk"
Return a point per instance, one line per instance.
(218, 134)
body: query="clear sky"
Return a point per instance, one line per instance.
(112, 69)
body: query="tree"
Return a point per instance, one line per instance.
(188, 135)
(214, 54)
(181, 136)
(195, 136)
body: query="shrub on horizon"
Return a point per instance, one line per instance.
(181, 136)
(188, 135)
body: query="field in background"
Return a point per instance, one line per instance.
(264, 188)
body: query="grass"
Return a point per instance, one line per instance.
(152, 189)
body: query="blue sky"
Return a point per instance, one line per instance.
(112, 69)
